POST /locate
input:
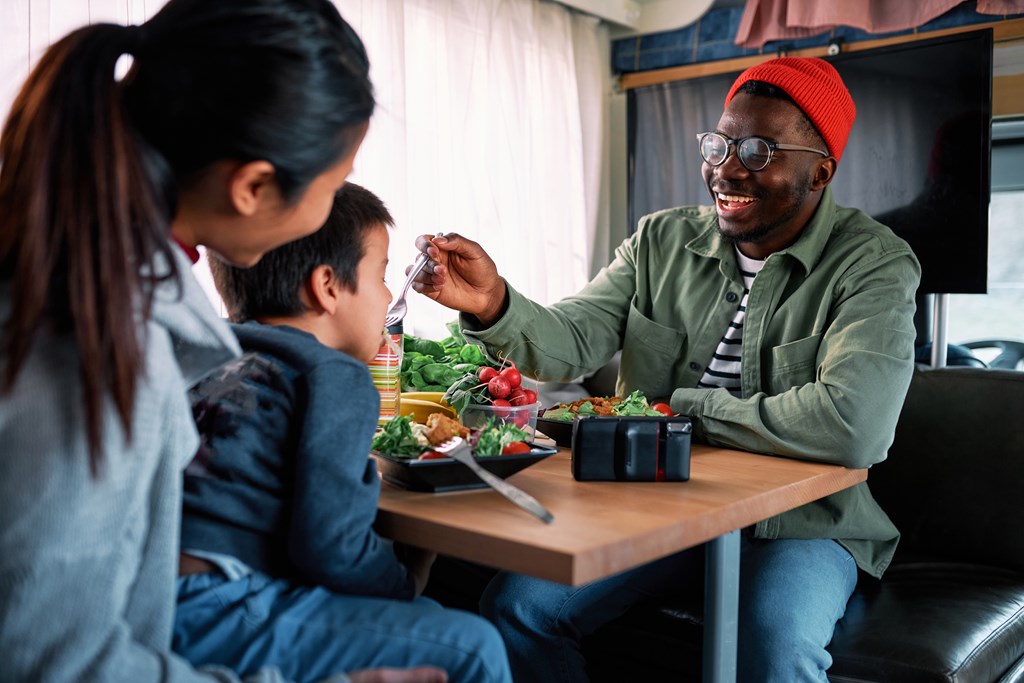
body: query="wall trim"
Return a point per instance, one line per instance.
(1003, 31)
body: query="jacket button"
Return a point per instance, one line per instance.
(731, 297)
(694, 366)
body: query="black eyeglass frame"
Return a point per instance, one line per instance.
(732, 146)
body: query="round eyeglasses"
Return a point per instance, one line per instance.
(754, 153)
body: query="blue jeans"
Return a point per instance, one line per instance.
(792, 593)
(310, 633)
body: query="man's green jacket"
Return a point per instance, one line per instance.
(827, 356)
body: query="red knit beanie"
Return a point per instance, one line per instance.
(817, 89)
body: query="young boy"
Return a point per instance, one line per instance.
(280, 562)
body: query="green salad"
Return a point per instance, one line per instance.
(633, 405)
(403, 438)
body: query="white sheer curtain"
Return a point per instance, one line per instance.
(486, 127)
(491, 123)
(28, 27)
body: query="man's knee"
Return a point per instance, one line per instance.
(782, 656)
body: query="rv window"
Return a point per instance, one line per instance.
(999, 314)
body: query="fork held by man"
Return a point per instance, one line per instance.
(398, 310)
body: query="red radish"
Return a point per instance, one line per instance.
(521, 418)
(486, 373)
(513, 376)
(531, 396)
(502, 407)
(498, 387)
(517, 397)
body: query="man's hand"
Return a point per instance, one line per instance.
(460, 275)
(421, 674)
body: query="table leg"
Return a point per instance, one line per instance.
(721, 607)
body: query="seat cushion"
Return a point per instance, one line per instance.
(932, 621)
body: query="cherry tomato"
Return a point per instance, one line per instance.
(432, 455)
(664, 409)
(498, 387)
(516, 447)
(486, 373)
(513, 376)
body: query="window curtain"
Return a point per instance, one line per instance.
(491, 123)
(767, 20)
(28, 27)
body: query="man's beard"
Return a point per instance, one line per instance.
(763, 230)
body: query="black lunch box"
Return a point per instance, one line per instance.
(631, 448)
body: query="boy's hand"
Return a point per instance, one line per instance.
(460, 275)
(418, 561)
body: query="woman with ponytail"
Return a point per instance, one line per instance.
(233, 128)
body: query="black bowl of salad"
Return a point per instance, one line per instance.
(405, 459)
(557, 421)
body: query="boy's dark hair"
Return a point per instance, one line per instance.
(272, 286)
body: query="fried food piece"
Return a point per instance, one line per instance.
(602, 406)
(440, 428)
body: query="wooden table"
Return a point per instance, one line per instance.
(602, 528)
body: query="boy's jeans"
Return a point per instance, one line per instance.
(792, 593)
(310, 633)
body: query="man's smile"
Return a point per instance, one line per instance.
(731, 203)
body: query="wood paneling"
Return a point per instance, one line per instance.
(1008, 95)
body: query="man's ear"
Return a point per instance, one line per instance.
(823, 174)
(251, 186)
(324, 290)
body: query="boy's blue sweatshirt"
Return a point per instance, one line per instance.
(283, 480)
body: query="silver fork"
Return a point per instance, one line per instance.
(457, 448)
(400, 308)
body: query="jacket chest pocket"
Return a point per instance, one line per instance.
(649, 354)
(793, 364)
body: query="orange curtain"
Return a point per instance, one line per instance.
(766, 20)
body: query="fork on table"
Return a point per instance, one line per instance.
(457, 448)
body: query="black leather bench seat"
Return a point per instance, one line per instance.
(931, 622)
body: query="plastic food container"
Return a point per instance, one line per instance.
(524, 417)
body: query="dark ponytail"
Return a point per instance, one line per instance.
(91, 166)
(78, 214)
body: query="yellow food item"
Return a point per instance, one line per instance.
(421, 410)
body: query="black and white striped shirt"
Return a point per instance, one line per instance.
(724, 369)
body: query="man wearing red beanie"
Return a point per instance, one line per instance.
(778, 321)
